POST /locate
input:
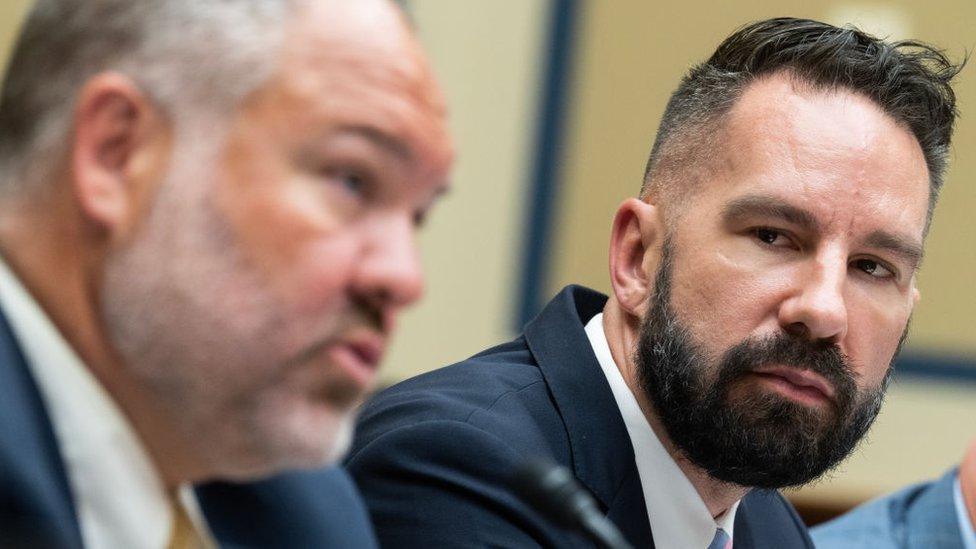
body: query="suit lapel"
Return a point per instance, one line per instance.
(743, 534)
(35, 498)
(629, 511)
(602, 455)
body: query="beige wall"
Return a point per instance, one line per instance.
(488, 56)
(632, 54)
(11, 13)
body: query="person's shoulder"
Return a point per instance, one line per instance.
(488, 384)
(869, 525)
(914, 512)
(315, 508)
(452, 439)
(872, 524)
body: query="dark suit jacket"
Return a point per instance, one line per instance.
(308, 509)
(922, 516)
(434, 454)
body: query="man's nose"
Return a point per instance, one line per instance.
(817, 309)
(390, 275)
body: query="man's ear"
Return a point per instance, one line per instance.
(635, 252)
(120, 150)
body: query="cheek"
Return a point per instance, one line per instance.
(724, 300)
(873, 335)
(311, 292)
(303, 249)
(322, 273)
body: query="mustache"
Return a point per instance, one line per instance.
(362, 315)
(365, 314)
(820, 357)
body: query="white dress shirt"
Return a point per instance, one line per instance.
(678, 517)
(119, 496)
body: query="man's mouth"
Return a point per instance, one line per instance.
(798, 384)
(369, 349)
(359, 354)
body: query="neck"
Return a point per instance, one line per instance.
(51, 253)
(622, 332)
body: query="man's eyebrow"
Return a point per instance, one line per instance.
(768, 206)
(379, 138)
(907, 248)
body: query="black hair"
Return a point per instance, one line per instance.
(909, 80)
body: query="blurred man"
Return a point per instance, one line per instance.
(762, 285)
(208, 229)
(931, 515)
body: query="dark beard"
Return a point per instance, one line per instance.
(755, 439)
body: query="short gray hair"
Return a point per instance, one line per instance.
(189, 56)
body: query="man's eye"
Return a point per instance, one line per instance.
(873, 268)
(352, 182)
(769, 236)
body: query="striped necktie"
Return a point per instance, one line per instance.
(721, 540)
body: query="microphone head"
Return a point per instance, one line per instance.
(553, 491)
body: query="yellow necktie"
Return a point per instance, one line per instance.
(184, 534)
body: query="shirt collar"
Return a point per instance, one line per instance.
(677, 514)
(120, 499)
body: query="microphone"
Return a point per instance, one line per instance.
(552, 490)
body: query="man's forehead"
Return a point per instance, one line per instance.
(829, 149)
(801, 128)
(784, 107)
(363, 44)
(344, 29)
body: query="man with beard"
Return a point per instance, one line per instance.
(762, 284)
(209, 214)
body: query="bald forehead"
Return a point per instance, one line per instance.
(354, 68)
(362, 23)
(371, 39)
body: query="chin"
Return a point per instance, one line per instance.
(303, 439)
